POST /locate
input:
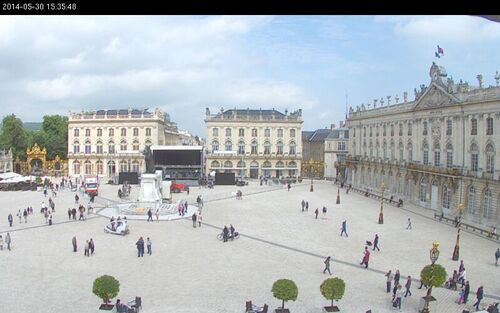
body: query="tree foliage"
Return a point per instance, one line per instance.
(14, 136)
(53, 136)
(285, 289)
(106, 287)
(433, 275)
(333, 289)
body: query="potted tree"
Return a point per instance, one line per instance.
(332, 289)
(433, 275)
(106, 287)
(284, 289)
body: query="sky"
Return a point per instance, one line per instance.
(183, 64)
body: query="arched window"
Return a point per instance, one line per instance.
(241, 147)
(215, 145)
(292, 164)
(123, 145)
(88, 167)
(228, 145)
(410, 152)
(474, 157)
(280, 164)
(293, 147)
(88, 147)
(228, 164)
(446, 197)
(135, 146)
(215, 164)
(123, 166)
(111, 168)
(423, 190)
(279, 148)
(487, 204)
(254, 147)
(437, 155)
(76, 168)
(241, 164)
(99, 147)
(136, 166)
(267, 147)
(490, 159)
(449, 155)
(426, 153)
(228, 132)
(471, 200)
(76, 147)
(111, 147)
(473, 126)
(99, 167)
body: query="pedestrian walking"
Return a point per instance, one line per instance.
(461, 267)
(408, 226)
(497, 254)
(327, 265)
(479, 297)
(140, 247)
(303, 203)
(86, 248)
(225, 232)
(10, 219)
(73, 241)
(187, 189)
(199, 218)
(462, 276)
(324, 211)
(375, 243)
(150, 215)
(148, 245)
(91, 246)
(396, 278)
(8, 241)
(388, 282)
(69, 214)
(20, 215)
(25, 215)
(466, 291)
(366, 257)
(316, 213)
(157, 213)
(307, 206)
(408, 285)
(193, 217)
(344, 229)
(50, 220)
(399, 297)
(288, 186)
(76, 198)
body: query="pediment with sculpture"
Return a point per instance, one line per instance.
(435, 97)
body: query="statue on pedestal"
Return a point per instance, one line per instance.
(148, 159)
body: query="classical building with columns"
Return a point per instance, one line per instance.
(252, 143)
(437, 151)
(107, 142)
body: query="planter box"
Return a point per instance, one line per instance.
(432, 304)
(331, 309)
(280, 310)
(107, 307)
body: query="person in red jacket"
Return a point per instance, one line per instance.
(366, 258)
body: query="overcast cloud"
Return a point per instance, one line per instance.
(52, 64)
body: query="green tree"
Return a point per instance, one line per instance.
(106, 287)
(433, 275)
(54, 133)
(14, 136)
(333, 289)
(285, 289)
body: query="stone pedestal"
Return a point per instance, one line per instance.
(150, 189)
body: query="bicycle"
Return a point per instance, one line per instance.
(235, 236)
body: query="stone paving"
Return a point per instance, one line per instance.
(191, 271)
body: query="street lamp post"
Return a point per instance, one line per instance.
(311, 170)
(338, 195)
(381, 215)
(434, 255)
(456, 251)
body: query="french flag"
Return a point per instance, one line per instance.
(440, 50)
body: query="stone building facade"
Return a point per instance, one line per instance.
(336, 145)
(436, 151)
(254, 143)
(107, 142)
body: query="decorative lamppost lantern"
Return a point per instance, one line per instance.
(434, 252)
(456, 251)
(381, 215)
(433, 255)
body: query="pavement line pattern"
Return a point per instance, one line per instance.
(46, 225)
(323, 257)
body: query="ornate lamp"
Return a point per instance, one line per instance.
(433, 255)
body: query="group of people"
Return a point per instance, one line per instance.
(196, 217)
(228, 232)
(8, 241)
(182, 208)
(114, 222)
(397, 290)
(140, 246)
(88, 248)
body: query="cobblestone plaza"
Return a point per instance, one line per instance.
(191, 271)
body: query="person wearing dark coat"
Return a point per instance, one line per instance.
(466, 291)
(193, 217)
(140, 247)
(10, 219)
(327, 265)
(375, 243)
(225, 232)
(479, 296)
(73, 241)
